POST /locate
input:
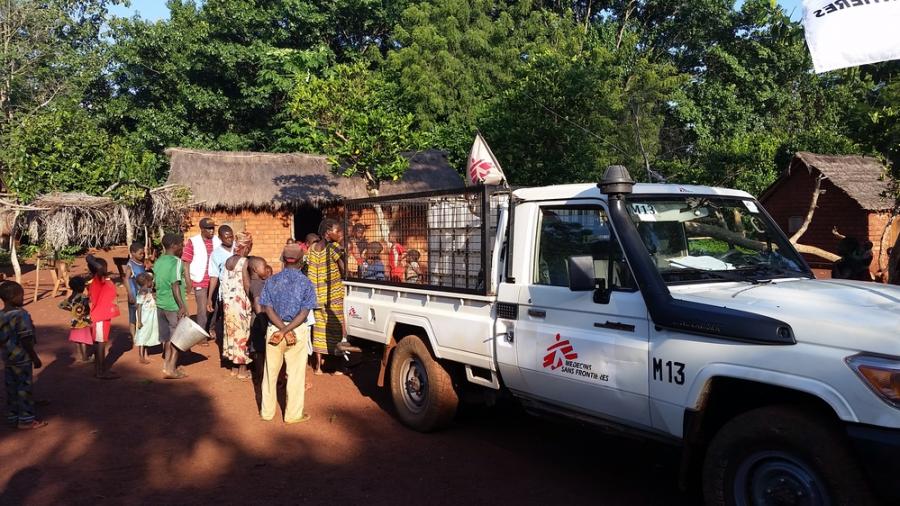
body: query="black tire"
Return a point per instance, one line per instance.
(421, 387)
(782, 455)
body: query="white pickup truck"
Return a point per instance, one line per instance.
(680, 313)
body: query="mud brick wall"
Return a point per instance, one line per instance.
(270, 230)
(835, 209)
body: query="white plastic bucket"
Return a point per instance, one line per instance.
(187, 334)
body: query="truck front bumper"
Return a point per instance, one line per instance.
(878, 449)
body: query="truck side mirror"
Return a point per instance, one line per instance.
(583, 278)
(581, 273)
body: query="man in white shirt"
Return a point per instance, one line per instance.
(197, 252)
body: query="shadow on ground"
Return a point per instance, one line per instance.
(141, 440)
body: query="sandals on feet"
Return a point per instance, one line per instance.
(178, 375)
(304, 418)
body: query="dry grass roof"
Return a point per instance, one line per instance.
(270, 181)
(862, 178)
(63, 219)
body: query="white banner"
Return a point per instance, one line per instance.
(483, 167)
(846, 33)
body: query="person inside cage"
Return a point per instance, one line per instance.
(396, 256)
(372, 266)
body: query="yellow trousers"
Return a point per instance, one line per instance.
(295, 356)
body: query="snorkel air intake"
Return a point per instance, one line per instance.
(665, 311)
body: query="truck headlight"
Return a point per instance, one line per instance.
(881, 374)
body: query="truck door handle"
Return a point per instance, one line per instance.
(537, 313)
(615, 326)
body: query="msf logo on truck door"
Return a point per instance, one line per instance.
(556, 352)
(561, 355)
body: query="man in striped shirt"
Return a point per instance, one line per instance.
(197, 251)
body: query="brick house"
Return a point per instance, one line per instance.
(279, 196)
(853, 202)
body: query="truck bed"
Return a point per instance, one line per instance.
(457, 236)
(459, 326)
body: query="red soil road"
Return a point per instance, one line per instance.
(145, 440)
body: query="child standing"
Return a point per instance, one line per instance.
(259, 273)
(20, 359)
(396, 257)
(147, 321)
(79, 306)
(171, 299)
(104, 307)
(373, 268)
(413, 271)
(133, 269)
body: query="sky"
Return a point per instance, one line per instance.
(156, 9)
(148, 9)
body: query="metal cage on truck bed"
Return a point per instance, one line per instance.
(431, 240)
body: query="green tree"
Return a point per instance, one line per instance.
(752, 100)
(63, 148)
(48, 50)
(349, 114)
(576, 108)
(218, 74)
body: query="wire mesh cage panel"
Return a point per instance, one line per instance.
(436, 240)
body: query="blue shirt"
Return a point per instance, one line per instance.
(217, 261)
(137, 269)
(373, 270)
(288, 293)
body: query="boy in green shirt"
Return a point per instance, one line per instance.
(171, 294)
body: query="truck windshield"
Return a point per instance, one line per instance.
(692, 238)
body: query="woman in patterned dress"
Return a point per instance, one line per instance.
(326, 269)
(236, 308)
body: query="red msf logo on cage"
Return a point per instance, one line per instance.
(353, 313)
(561, 355)
(556, 352)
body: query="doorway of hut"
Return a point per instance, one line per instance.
(306, 221)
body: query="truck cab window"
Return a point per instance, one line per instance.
(572, 231)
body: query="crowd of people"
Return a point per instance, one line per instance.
(262, 321)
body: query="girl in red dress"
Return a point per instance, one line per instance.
(104, 307)
(396, 257)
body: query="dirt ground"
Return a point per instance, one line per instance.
(144, 440)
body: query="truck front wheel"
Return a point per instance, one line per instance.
(421, 387)
(781, 455)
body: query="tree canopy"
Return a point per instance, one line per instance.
(694, 91)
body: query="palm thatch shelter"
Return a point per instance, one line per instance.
(281, 196)
(57, 220)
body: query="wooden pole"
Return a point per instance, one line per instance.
(13, 257)
(129, 229)
(37, 277)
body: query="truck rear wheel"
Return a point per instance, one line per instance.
(781, 455)
(421, 387)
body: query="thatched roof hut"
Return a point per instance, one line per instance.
(276, 181)
(862, 178)
(854, 201)
(278, 196)
(66, 219)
